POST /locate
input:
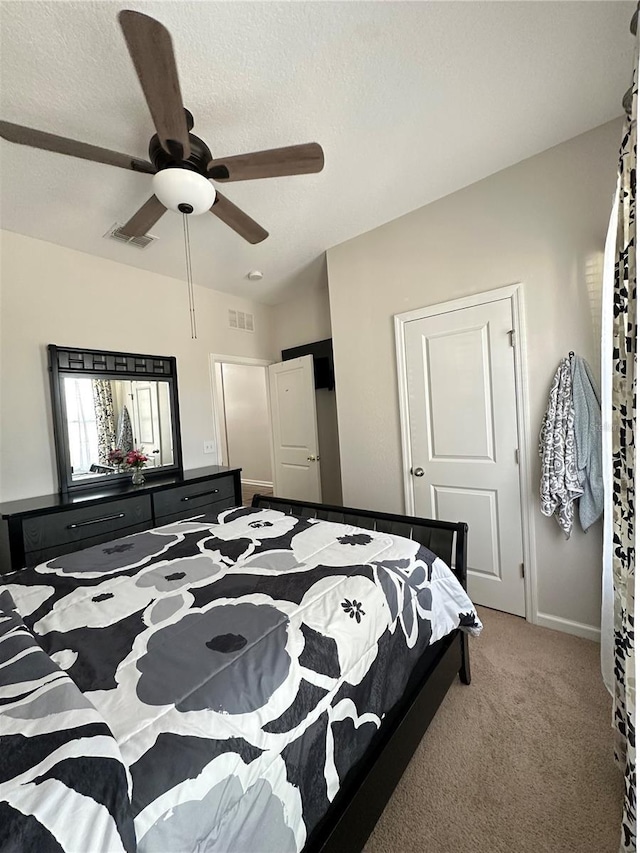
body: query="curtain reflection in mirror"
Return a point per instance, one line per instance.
(103, 406)
(125, 431)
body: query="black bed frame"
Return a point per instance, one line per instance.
(369, 785)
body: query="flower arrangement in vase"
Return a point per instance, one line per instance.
(117, 458)
(136, 459)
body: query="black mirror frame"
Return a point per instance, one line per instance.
(105, 364)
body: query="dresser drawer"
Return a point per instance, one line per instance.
(109, 520)
(210, 510)
(43, 555)
(184, 501)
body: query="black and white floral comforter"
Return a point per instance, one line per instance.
(242, 666)
(62, 779)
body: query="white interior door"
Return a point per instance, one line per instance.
(145, 419)
(464, 441)
(294, 428)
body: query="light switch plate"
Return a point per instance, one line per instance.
(209, 447)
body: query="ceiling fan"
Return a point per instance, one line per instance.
(181, 164)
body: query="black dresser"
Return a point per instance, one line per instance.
(37, 529)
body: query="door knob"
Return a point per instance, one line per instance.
(417, 472)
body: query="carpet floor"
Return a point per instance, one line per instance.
(248, 491)
(518, 762)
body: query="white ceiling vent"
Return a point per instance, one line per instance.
(241, 320)
(115, 233)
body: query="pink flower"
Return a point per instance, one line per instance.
(136, 459)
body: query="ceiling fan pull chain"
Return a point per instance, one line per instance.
(187, 254)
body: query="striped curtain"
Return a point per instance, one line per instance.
(623, 428)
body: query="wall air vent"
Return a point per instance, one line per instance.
(115, 233)
(241, 320)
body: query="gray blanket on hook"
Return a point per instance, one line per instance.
(588, 432)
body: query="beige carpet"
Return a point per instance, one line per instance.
(520, 761)
(249, 491)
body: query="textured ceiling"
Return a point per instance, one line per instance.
(410, 101)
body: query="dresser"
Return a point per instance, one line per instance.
(34, 530)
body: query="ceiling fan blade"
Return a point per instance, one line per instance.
(237, 219)
(151, 50)
(62, 145)
(275, 163)
(145, 218)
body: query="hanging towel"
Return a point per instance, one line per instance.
(125, 432)
(559, 484)
(588, 431)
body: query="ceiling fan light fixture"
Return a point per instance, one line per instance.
(184, 191)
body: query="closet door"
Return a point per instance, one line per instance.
(460, 377)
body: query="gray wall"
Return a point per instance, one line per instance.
(51, 294)
(541, 222)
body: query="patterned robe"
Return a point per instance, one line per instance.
(559, 483)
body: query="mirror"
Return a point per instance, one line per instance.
(107, 404)
(105, 415)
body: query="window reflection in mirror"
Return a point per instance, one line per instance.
(108, 414)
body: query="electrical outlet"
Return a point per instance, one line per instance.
(209, 447)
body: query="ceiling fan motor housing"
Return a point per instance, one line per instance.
(198, 160)
(181, 185)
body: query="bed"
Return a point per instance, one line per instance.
(253, 682)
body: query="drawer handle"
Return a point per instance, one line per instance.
(201, 495)
(95, 521)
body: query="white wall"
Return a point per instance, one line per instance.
(301, 320)
(50, 294)
(246, 416)
(541, 222)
